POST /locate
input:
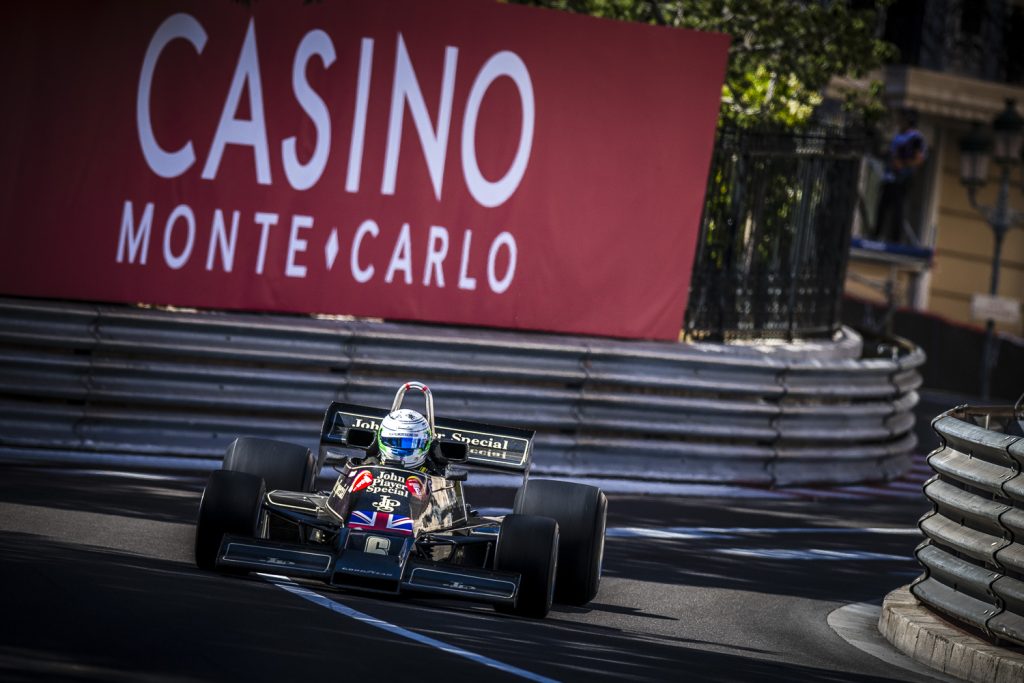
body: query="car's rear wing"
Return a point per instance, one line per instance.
(490, 446)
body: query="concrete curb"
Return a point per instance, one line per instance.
(921, 634)
(857, 624)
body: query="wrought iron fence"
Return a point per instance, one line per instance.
(775, 235)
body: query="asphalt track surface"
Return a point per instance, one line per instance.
(97, 583)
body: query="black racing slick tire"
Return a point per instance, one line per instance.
(282, 465)
(529, 546)
(581, 512)
(232, 503)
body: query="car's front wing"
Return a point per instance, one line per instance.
(356, 569)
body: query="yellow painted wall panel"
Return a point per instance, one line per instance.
(952, 274)
(958, 310)
(968, 236)
(964, 245)
(953, 309)
(954, 195)
(879, 273)
(862, 291)
(961, 227)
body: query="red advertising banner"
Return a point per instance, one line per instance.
(460, 161)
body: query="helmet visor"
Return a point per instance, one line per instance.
(405, 445)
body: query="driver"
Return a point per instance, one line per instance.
(404, 439)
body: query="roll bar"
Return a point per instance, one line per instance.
(427, 396)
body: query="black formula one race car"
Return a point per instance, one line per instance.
(390, 529)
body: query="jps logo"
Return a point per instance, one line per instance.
(386, 504)
(377, 545)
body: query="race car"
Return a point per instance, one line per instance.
(396, 520)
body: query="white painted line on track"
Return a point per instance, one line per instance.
(857, 624)
(653, 488)
(811, 554)
(915, 486)
(676, 534)
(883, 492)
(826, 494)
(126, 474)
(687, 533)
(697, 532)
(79, 458)
(493, 512)
(284, 583)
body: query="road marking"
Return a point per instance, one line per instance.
(88, 458)
(493, 512)
(811, 554)
(284, 583)
(651, 488)
(697, 532)
(869, 491)
(689, 533)
(825, 494)
(126, 474)
(915, 486)
(857, 624)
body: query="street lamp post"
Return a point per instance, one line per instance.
(1008, 136)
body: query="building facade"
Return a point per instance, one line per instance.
(958, 62)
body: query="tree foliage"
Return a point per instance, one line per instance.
(783, 52)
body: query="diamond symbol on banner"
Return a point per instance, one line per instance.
(331, 248)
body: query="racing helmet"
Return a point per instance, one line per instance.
(404, 438)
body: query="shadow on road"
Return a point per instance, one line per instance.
(701, 565)
(57, 489)
(90, 614)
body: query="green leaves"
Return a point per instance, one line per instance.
(783, 52)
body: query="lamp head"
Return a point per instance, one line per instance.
(1008, 130)
(974, 156)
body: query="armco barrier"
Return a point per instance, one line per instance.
(973, 555)
(124, 380)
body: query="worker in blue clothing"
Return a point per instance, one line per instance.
(907, 152)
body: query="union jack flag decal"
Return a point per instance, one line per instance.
(379, 521)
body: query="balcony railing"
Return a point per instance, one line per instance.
(981, 39)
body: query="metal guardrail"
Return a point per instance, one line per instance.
(973, 554)
(118, 379)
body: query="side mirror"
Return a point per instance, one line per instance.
(452, 451)
(356, 437)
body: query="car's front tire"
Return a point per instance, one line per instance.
(282, 465)
(581, 512)
(232, 503)
(528, 545)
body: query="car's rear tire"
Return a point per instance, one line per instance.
(231, 504)
(581, 512)
(281, 465)
(529, 545)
